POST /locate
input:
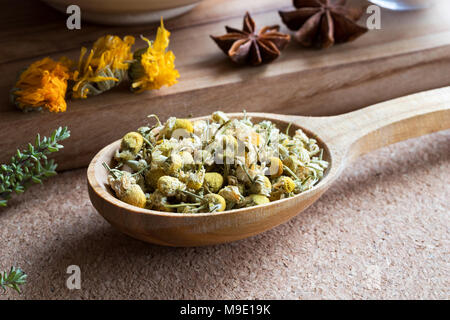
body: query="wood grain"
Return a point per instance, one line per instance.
(343, 138)
(410, 53)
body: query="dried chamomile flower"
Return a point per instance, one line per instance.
(154, 66)
(187, 160)
(132, 142)
(232, 196)
(216, 203)
(302, 154)
(137, 165)
(220, 117)
(42, 85)
(300, 135)
(276, 167)
(284, 183)
(244, 174)
(123, 156)
(261, 185)
(296, 167)
(194, 180)
(125, 187)
(172, 124)
(164, 147)
(158, 201)
(173, 164)
(256, 200)
(170, 186)
(213, 181)
(134, 196)
(104, 67)
(282, 188)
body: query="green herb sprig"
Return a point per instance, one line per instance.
(30, 165)
(15, 278)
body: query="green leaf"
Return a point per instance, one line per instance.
(52, 149)
(36, 179)
(13, 279)
(37, 141)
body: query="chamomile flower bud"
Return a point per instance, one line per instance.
(170, 186)
(174, 163)
(261, 185)
(123, 156)
(134, 196)
(220, 117)
(194, 180)
(158, 201)
(282, 188)
(215, 202)
(284, 183)
(213, 181)
(232, 196)
(132, 142)
(174, 124)
(126, 188)
(256, 200)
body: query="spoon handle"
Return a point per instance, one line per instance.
(388, 122)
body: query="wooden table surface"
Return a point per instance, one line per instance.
(410, 53)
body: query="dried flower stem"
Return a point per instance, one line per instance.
(288, 170)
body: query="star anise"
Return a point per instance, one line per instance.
(321, 23)
(248, 47)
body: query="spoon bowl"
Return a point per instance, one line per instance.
(343, 138)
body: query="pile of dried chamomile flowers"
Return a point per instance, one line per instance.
(46, 83)
(213, 165)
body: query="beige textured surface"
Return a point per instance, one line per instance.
(382, 231)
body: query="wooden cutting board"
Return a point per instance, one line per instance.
(410, 53)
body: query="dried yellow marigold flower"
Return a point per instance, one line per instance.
(154, 67)
(105, 66)
(42, 85)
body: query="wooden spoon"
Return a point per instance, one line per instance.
(343, 138)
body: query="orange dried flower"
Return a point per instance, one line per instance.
(43, 85)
